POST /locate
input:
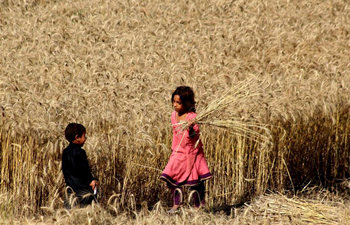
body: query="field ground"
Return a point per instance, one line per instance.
(310, 207)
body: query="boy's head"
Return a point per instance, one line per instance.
(75, 133)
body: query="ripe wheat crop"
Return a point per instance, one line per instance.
(112, 66)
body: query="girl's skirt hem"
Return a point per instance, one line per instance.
(167, 178)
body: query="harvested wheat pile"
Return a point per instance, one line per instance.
(277, 209)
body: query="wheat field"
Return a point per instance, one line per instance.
(112, 66)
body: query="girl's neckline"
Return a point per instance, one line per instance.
(177, 120)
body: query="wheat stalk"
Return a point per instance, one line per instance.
(240, 92)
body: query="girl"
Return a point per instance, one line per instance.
(187, 165)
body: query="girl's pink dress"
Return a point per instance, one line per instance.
(187, 165)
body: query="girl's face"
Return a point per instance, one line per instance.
(177, 104)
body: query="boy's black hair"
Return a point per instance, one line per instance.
(72, 130)
(187, 98)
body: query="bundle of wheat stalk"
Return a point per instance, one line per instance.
(277, 208)
(248, 128)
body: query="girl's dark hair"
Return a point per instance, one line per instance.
(72, 130)
(187, 98)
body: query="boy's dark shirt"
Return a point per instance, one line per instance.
(75, 168)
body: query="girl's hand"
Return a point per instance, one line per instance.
(190, 122)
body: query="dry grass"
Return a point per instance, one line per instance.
(320, 207)
(113, 66)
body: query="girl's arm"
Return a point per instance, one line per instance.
(193, 128)
(191, 132)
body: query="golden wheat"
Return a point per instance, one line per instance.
(112, 66)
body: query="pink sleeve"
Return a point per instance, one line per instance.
(173, 120)
(191, 115)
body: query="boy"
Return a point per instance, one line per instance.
(75, 166)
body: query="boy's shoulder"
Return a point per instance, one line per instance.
(73, 148)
